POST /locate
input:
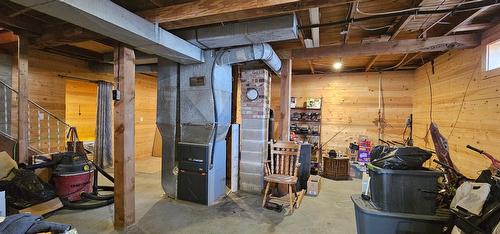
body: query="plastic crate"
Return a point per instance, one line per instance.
(336, 168)
(370, 220)
(405, 191)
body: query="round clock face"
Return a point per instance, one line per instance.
(252, 94)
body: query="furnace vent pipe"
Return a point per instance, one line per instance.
(260, 51)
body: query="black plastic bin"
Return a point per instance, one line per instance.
(405, 191)
(370, 220)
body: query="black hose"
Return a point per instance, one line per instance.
(97, 197)
(86, 206)
(106, 188)
(103, 172)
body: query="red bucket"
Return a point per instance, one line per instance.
(72, 185)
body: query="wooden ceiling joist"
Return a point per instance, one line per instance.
(303, 43)
(247, 14)
(372, 61)
(65, 34)
(76, 52)
(390, 47)
(465, 21)
(19, 25)
(473, 27)
(394, 31)
(203, 8)
(350, 15)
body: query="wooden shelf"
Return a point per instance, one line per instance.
(307, 134)
(303, 108)
(305, 121)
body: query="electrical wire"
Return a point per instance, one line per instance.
(463, 98)
(397, 65)
(447, 5)
(430, 88)
(373, 29)
(405, 13)
(429, 16)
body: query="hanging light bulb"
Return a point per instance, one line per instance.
(337, 65)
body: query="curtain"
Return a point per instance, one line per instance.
(104, 135)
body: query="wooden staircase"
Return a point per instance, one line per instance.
(46, 132)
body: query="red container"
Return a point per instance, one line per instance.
(70, 186)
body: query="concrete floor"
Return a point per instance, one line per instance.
(330, 212)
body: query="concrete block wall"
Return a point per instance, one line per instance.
(254, 129)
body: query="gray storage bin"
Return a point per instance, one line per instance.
(405, 191)
(370, 220)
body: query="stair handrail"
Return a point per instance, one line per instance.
(36, 104)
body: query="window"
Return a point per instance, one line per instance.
(493, 55)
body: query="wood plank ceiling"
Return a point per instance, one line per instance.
(56, 36)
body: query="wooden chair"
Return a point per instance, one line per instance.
(283, 169)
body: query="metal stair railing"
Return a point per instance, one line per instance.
(47, 132)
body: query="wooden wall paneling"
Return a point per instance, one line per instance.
(81, 108)
(84, 95)
(351, 99)
(475, 122)
(124, 142)
(145, 112)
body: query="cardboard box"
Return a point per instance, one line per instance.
(313, 185)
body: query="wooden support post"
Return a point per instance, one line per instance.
(124, 150)
(285, 95)
(23, 109)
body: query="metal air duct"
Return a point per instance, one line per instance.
(278, 28)
(261, 51)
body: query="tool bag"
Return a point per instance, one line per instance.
(73, 144)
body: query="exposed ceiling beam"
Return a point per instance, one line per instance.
(19, 25)
(252, 13)
(65, 34)
(424, 32)
(140, 58)
(108, 68)
(204, 8)
(456, 20)
(405, 20)
(306, 43)
(314, 19)
(350, 15)
(7, 37)
(473, 27)
(394, 31)
(75, 52)
(111, 20)
(390, 47)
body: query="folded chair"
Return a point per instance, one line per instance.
(283, 168)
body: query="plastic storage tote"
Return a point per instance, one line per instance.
(405, 191)
(370, 220)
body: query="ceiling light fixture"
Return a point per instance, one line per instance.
(337, 65)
